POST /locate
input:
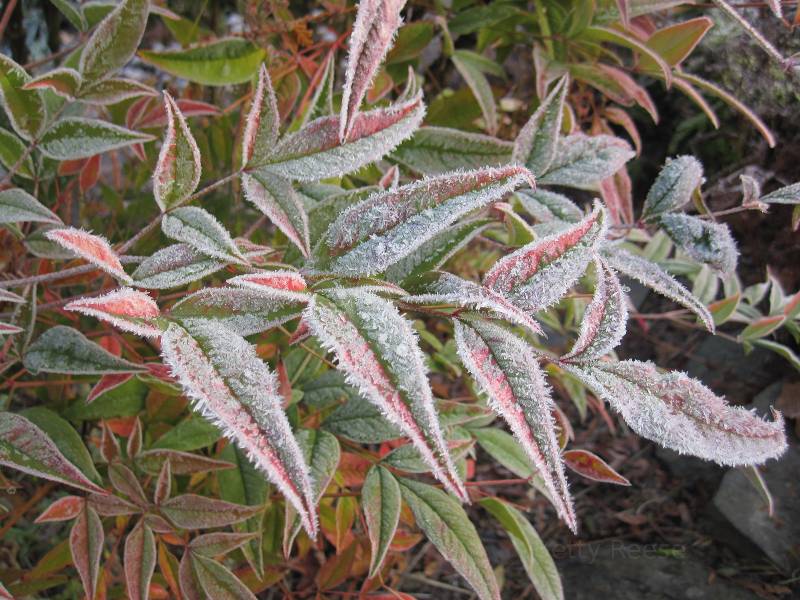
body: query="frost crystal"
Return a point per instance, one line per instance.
(535, 146)
(674, 186)
(277, 199)
(546, 206)
(377, 350)
(124, 308)
(539, 274)
(704, 241)
(174, 266)
(232, 387)
(680, 413)
(178, 167)
(582, 161)
(201, 230)
(90, 247)
(506, 369)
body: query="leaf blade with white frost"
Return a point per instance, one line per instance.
(17, 206)
(437, 150)
(704, 241)
(263, 121)
(583, 161)
(673, 187)
(72, 138)
(90, 247)
(536, 143)
(114, 40)
(203, 232)
(277, 199)
(178, 168)
(124, 308)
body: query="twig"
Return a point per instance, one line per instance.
(12, 4)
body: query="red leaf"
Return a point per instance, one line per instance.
(90, 247)
(90, 173)
(86, 543)
(140, 561)
(157, 116)
(63, 509)
(127, 309)
(263, 120)
(278, 280)
(592, 467)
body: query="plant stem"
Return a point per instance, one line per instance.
(754, 33)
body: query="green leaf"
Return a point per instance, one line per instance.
(73, 13)
(62, 349)
(503, 448)
(674, 186)
(174, 266)
(62, 81)
(472, 67)
(114, 40)
(545, 206)
(448, 528)
(411, 40)
(190, 434)
(380, 503)
(201, 230)
(215, 580)
(583, 161)
(789, 194)
(675, 42)
(529, 546)
(537, 141)
(360, 421)
(781, 350)
(75, 137)
(222, 62)
(113, 90)
(18, 206)
(178, 169)
(277, 199)
(25, 108)
(704, 241)
(11, 150)
(125, 400)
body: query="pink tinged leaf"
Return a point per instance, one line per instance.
(140, 561)
(451, 289)
(624, 12)
(163, 484)
(90, 247)
(90, 173)
(378, 352)
(106, 384)
(63, 509)
(674, 186)
(125, 482)
(181, 463)
(506, 369)
(261, 126)
(86, 543)
(539, 274)
(536, 144)
(315, 153)
(190, 511)
(63, 81)
(8, 329)
(603, 324)
(109, 447)
(26, 448)
(391, 179)
(219, 543)
(108, 505)
(681, 413)
(277, 199)
(589, 465)
(289, 281)
(134, 445)
(388, 226)
(114, 90)
(616, 194)
(621, 117)
(373, 33)
(233, 388)
(630, 91)
(202, 577)
(178, 167)
(776, 8)
(691, 92)
(301, 333)
(158, 115)
(6, 296)
(126, 309)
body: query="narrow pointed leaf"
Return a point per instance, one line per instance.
(63, 509)
(178, 168)
(74, 14)
(174, 266)
(76, 137)
(682, 414)
(25, 447)
(643, 51)
(536, 144)
(539, 274)
(90, 247)
(380, 503)
(190, 511)
(139, 561)
(378, 352)
(18, 206)
(277, 199)
(546, 206)
(124, 308)
(704, 241)
(272, 281)
(591, 466)
(219, 543)
(181, 463)
(114, 90)
(215, 580)
(675, 42)
(373, 33)
(789, 194)
(321, 103)
(62, 349)
(114, 40)
(11, 151)
(448, 528)
(469, 65)
(86, 543)
(388, 226)
(583, 161)
(674, 186)
(603, 324)
(25, 109)
(201, 230)
(241, 396)
(62, 81)
(261, 126)
(506, 369)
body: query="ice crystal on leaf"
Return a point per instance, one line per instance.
(535, 146)
(277, 199)
(539, 274)
(263, 121)
(268, 281)
(674, 186)
(233, 388)
(178, 168)
(18, 206)
(506, 369)
(545, 206)
(603, 324)
(174, 266)
(681, 413)
(201, 230)
(377, 350)
(584, 161)
(90, 247)
(124, 308)
(704, 241)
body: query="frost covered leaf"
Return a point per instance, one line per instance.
(174, 266)
(583, 161)
(673, 187)
(546, 206)
(63, 81)
(531, 549)
(789, 194)
(472, 66)
(591, 466)
(11, 151)
(178, 168)
(86, 544)
(261, 126)
(388, 226)
(190, 511)
(107, 383)
(314, 152)
(114, 40)
(450, 289)
(507, 370)
(650, 274)
(62, 349)
(139, 561)
(277, 199)
(111, 91)
(201, 230)
(539, 274)
(278, 282)
(603, 324)
(704, 241)
(8, 329)
(124, 308)
(378, 351)
(65, 508)
(358, 420)
(437, 150)
(233, 388)
(90, 247)
(26, 447)
(682, 414)
(202, 577)
(25, 109)
(18, 206)
(181, 463)
(536, 143)
(216, 544)
(321, 103)
(380, 503)
(76, 137)
(245, 310)
(373, 33)
(448, 527)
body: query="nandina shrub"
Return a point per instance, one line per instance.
(272, 371)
